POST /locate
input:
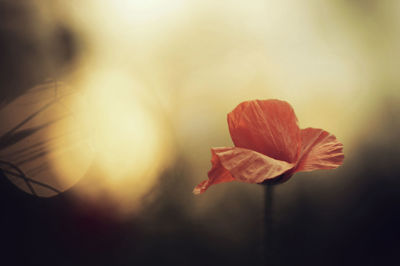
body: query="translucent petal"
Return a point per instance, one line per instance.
(320, 150)
(250, 166)
(217, 174)
(243, 165)
(268, 127)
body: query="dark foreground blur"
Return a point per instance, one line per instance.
(349, 216)
(317, 223)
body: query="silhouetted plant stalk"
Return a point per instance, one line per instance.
(268, 224)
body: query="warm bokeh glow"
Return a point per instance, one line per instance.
(46, 138)
(129, 137)
(157, 78)
(109, 108)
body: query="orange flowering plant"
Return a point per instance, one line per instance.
(270, 146)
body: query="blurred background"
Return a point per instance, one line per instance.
(108, 111)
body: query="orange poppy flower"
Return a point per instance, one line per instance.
(270, 147)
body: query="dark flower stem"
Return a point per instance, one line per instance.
(268, 244)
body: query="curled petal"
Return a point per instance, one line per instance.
(320, 150)
(251, 166)
(242, 165)
(217, 174)
(268, 127)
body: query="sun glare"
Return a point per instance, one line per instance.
(127, 136)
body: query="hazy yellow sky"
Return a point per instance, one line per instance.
(160, 76)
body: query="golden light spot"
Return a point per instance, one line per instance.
(130, 138)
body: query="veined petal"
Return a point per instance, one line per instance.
(250, 166)
(320, 150)
(268, 127)
(217, 174)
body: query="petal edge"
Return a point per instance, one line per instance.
(320, 150)
(217, 174)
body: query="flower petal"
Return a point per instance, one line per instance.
(217, 174)
(268, 127)
(250, 166)
(229, 164)
(320, 150)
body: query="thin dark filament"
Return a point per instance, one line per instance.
(18, 158)
(34, 157)
(30, 149)
(22, 175)
(25, 157)
(40, 150)
(26, 120)
(38, 169)
(32, 180)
